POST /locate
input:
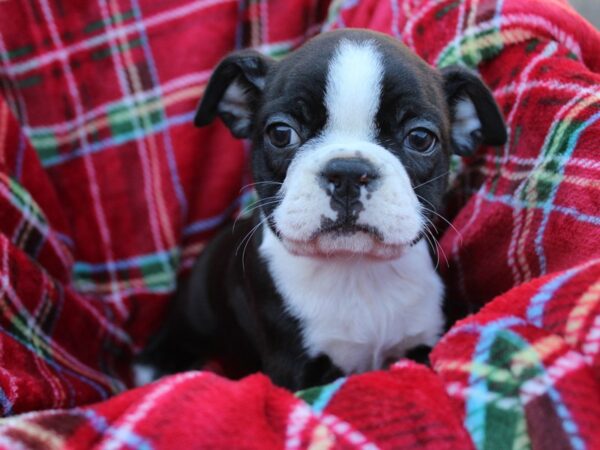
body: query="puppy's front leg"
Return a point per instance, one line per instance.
(320, 370)
(297, 371)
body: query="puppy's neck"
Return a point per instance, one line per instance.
(359, 311)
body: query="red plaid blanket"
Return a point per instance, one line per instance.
(107, 193)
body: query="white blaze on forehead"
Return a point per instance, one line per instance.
(354, 89)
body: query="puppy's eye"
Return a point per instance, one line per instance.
(281, 135)
(420, 140)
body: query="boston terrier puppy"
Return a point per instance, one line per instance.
(351, 141)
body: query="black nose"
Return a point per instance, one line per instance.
(345, 176)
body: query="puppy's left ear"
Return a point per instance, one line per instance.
(233, 91)
(475, 116)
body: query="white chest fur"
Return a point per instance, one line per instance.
(359, 312)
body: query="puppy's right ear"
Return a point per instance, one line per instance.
(233, 91)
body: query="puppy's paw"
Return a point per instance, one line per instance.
(319, 371)
(419, 354)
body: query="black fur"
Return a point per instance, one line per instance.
(229, 310)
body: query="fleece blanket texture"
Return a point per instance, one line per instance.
(108, 193)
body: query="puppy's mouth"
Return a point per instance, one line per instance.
(347, 240)
(347, 228)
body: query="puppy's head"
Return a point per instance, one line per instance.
(352, 136)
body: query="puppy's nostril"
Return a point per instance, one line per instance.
(364, 179)
(335, 179)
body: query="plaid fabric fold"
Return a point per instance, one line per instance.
(108, 193)
(526, 368)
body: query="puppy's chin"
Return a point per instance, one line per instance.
(332, 244)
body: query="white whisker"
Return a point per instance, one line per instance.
(247, 240)
(431, 180)
(441, 217)
(249, 185)
(254, 206)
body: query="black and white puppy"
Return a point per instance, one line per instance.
(351, 140)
